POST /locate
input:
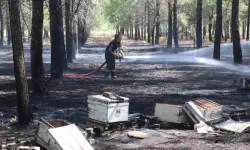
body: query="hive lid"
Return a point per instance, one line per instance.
(101, 98)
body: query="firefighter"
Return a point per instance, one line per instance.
(111, 55)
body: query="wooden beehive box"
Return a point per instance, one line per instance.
(61, 135)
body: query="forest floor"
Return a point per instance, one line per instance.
(144, 83)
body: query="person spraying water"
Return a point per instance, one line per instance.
(113, 51)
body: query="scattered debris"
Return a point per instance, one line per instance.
(203, 128)
(137, 134)
(234, 126)
(234, 112)
(60, 135)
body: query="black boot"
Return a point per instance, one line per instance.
(106, 74)
(113, 75)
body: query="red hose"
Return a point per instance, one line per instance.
(71, 75)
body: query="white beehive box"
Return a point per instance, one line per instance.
(107, 110)
(60, 135)
(170, 113)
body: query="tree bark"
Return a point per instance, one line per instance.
(24, 109)
(157, 27)
(175, 26)
(170, 25)
(199, 24)
(235, 32)
(149, 21)
(218, 31)
(37, 47)
(248, 20)
(56, 30)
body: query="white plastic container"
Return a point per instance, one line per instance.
(108, 110)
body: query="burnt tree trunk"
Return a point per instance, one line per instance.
(175, 26)
(145, 20)
(199, 24)
(149, 22)
(157, 23)
(170, 25)
(235, 32)
(153, 35)
(8, 27)
(24, 108)
(46, 33)
(2, 24)
(248, 20)
(23, 33)
(136, 33)
(56, 28)
(37, 47)
(62, 43)
(69, 33)
(218, 31)
(243, 30)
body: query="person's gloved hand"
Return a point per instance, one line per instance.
(115, 54)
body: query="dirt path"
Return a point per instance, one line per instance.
(145, 85)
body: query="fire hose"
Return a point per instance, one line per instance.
(119, 57)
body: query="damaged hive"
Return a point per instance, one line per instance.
(205, 114)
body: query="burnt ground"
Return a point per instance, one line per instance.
(144, 84)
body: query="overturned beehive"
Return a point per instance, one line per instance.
(61, 135)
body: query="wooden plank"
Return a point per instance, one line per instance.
(70, 138)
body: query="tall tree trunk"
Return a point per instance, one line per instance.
(142, 32)
(23, 33)
(186, 33)
(46, 34)
(199, 24)
(62, 43)
(235, 32)
(243, 30)
(157, 27)
(69, 33)
(248, 20)
(218, 31)
(74, 32)
(226, 32)
(37, 47)
(153, 35)
(2, 24)
(175, 26)
(132, 29)
(127, 31)
(144, 23)
(204, 32)
(139, 34)
(136, 30)
(56, 28)
(170, 25)
(149, 21)
(24, 109)
(8, 27)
